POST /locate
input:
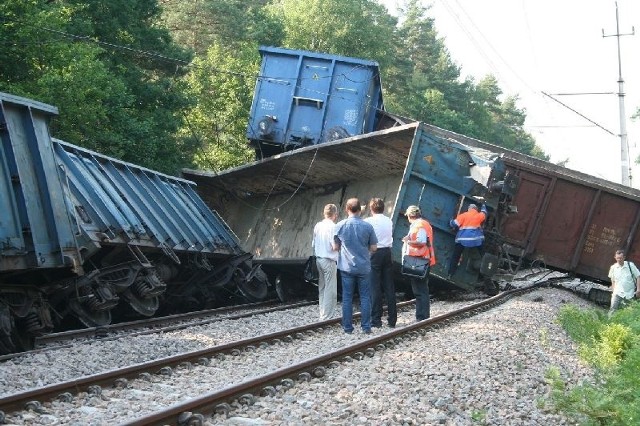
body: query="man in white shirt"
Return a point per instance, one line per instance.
(326, 257)
(625, 282)
(381, 266)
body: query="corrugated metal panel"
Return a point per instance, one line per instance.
(35, 229)
(121, 203)
(304, 95)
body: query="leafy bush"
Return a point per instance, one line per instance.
(613, 348)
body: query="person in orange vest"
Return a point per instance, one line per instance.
(470, 233)
(419, 243)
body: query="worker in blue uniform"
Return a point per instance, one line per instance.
(469, 235)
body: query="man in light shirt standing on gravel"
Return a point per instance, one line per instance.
(326, 260)
(625, 282)
(381, 266)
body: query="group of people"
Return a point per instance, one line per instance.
(361, 250)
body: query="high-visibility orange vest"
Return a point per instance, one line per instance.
(426, 250)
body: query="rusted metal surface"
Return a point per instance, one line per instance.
(571, 221)
(572, 225)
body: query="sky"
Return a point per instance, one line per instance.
(556, 47)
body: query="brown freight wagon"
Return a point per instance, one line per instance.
(570, 221)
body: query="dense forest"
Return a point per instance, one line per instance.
(168, 84)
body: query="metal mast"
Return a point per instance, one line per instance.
(624, 144)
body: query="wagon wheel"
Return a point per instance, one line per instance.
(90, 318)
(254, 290)
(146, 307)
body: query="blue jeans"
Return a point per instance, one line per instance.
(349, 283)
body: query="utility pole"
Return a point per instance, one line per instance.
(624, 144)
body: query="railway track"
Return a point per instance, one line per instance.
(193, 411)
(154, 325)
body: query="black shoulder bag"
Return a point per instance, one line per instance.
(416, 267)
(311, 270)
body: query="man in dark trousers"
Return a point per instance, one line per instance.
(381, 266)
(469, 235)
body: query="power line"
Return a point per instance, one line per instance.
(579, 113)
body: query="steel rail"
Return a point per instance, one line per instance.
(31, 398)
(193, 412)
(97, 334)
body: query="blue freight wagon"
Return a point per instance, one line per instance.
(305, 98)
(87, 236)
(407, 165)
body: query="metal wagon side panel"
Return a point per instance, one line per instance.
(305, 98)
(36, 230)
(569, 224)
(571, 221)
(125, 204)
(274, 215)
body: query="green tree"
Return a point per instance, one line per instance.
(223, 83)
(360, 28)
(199, 24)
(434, 92)
(93, 61)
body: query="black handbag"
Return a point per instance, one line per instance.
(415, 267)
(311, 270)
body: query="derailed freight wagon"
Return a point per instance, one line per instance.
(304, 98)
(564, 219)
(538, 212)
(87, 237)
(272, 205)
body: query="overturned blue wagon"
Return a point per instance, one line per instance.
(85, 238)
(304, 98)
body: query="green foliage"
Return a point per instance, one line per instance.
(223, 82)
(200, 24)
(613, 347)
(118, 101)
(608, 348)
(360, 28)
(582, 325)
(126, 89)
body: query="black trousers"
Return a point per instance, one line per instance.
(457, 252)
(420, 289)
(382, 285)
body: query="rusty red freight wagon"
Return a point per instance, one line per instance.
(571, 221)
